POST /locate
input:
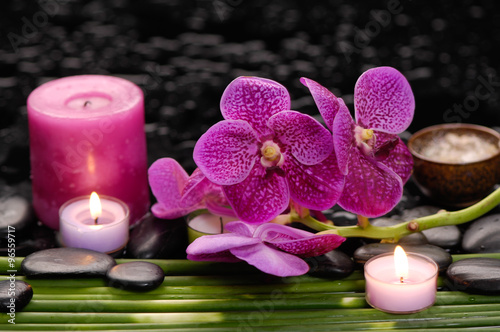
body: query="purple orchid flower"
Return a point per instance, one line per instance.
(264, 154)
(270, 247)
(371, 155)
(179, 194)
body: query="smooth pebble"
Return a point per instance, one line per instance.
(334, 264)
(475, 275)
(138, 276)
(483, 235)
(66, 262)
(14, 295)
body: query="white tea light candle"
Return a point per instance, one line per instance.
(206, 224)
(83, 227)
(400, 291)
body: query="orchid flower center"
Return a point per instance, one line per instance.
(365, 139)
(271, 155)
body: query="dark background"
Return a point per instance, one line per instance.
(183, 53)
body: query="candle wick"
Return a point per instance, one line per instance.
(221, 225)
(401, 280)
(95, 221)
(87, 103)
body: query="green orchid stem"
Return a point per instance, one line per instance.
(442, 218)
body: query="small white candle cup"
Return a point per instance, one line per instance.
(205, 223)
(79, 230)
(386, 292)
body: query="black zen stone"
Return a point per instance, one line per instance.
(475, 275)
(483, 235)
(414, 238)
(66, 262)
(138, 276)
(334, 264)
(156, 238)
(444, 236)
(15, 214)
(36, 238)
(442, 258)
(14, 295)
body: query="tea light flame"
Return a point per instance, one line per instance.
(95, 206)
(400, 263)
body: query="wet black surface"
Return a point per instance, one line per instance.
(14, 295)
(66, 263)
(184, 53)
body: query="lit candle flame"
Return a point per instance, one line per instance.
(400, 263)
(95, 206)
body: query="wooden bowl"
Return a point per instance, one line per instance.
(448, 181)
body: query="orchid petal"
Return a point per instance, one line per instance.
(200, 189)
(307, 140)
(316, 187)
(241, 228)
(226, 152)
(371, 188)
(167, 179)
(400, 161)
(220, 210)
(163, 212)
(384, 144)
(210, 244)
(254, 100)
(296, 241)
(222, 256)
(271, 232)
(311, 246)
(343, 138)
(271, 261)
(196, 187)
(328, 105)
(260, 197)
(383, 100)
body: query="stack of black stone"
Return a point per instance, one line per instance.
(183, 55)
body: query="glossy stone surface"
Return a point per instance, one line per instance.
(35, 238)
(442, 258)
(14, 295)
(334, 264)
(483, 235)
(138, 276)
(475, 275)
(415, 238)
(444, 236)
(156, 238)
(15, 213)
(66, 263)
(419, 211)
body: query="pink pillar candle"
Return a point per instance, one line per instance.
(87, 134)
(386, 291)
(79, 230)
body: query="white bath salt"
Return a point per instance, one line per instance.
(453, 148)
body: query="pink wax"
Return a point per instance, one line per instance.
(387, 292)
(87, 134)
